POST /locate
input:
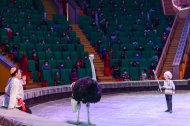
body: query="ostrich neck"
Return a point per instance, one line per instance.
(93, 68)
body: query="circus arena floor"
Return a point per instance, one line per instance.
(123, 109)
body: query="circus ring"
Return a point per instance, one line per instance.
(130, 103)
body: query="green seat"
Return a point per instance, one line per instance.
(125, 68)
(17, 39)
(83, 54)
(132, 47)
(40, 33)
(148, 47)
(41, 55)
(143, 68)
(30, 47)
(88, 64)
(115, 47)
(65, 54)
(3, 38)
(65, 75)
(29, 27)
(89, 72)
(147, 53)
(22, 47)
(35, 76)
(41, 62)
(125, 62)
(46, 46)
(3, 32)
(49, 55)
(33, 39)
(25, 33)
(72, 34)
(63, 40)
(130, 54)
(143, 62)
(52, 64)
(149, 61)
(74, 55)
(134, 73)
(57, 55)
(46, 76)
(71, 47)
(68, 64)
(40, 47)
(49, 40)
(56, 47)
(81, 72)
(59, 62)
(31, 65)
(20, 54)
(53, 71)
(118, 54)
(75, 40)
(57, 40)
(112, 61)
(79, 48)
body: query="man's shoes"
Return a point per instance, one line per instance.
(170, 111)
(167, 111)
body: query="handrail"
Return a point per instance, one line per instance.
(180, 2)
(163, 6)
(73, 4)
(72, 12)
(181, 47)
(166, 47)
(182, 42)
(4, 61)
(59, 5)
(185, 59)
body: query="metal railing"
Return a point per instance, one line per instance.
(182, 2)
(181, 48)
(166, 47)
(5, 62)
(72, 12)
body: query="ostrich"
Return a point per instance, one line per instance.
(85, 90)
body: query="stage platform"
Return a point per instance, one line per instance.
(17, 118)
(123, 109)
(115, 108)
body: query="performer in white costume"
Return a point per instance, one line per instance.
(14, 93)
(169, 90)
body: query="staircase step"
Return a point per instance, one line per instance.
(106, 77)
(98, 63)
(32, 85)
(100, 75)
(172, 48)
(50, 8)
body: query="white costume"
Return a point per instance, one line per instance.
(169, 87)
(169, 90)
(13, 91)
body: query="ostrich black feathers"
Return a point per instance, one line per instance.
(86, 90)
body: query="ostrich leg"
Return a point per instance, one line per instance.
(79, 106)
(88, 111)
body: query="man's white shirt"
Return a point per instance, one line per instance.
(13, 91)
(169, 86)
